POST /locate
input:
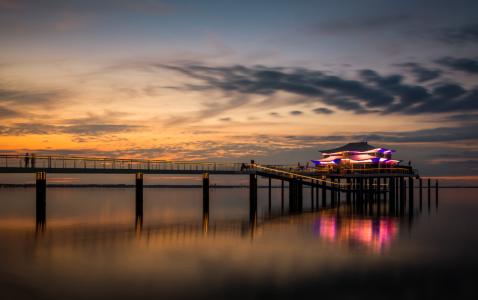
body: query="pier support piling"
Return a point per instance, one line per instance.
(338, 192)
(349, 187)
(300, 195)
(324, 195)
(429, 187)
(332, 192)
(40, 202)
(436, 192)
(139, 216)
(253, 196)
(282, 194)
(402, 195)
(139, 187)
(421, 194)
(270, 189)
(205, 188)
(317, 194)
(312, 194)
(41, 187)
(410, 195)
(391, 191)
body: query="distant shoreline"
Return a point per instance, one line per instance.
(159, 186)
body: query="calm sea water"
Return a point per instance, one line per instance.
(94, 244)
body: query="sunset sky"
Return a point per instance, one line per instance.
(230, 81)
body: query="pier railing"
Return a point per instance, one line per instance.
(91, 163)
(57, 162)
(343, 171)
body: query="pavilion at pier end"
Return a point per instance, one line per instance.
(359, 158)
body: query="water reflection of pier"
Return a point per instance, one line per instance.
(370, 226)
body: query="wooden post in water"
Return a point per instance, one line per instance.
(41, 187)
(429, 187)
(338, 192)
(139, 187)
(372, 195)
(300, 195)
(421, 194)
(270, 193)
(396, 191)
(410, 195)
(402, 195)
(436, 192)
(282, 194)
(317, 194)
(205, 217)
(391, 190)
(139, 216)
(205, 186)
(253, 185)
(324, 195)
(360, 198)
(40, 202)
(292, 194)
(332, 192)
(384, 190)
(312, 194)
(370, 189)
(377, 189)
(349, 188)
(252, 197)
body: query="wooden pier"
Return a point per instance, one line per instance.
(364, 187)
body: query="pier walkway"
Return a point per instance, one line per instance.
(361, 184)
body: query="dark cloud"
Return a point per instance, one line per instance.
(462, 118)
(107, 117)
(23, 97)
(18, 129)
(373, 93)
(354, 95)
(225, 119)
(460, 64)
(409, 95)
(296, 112)
(457, 35)
(448, 98)
(323, 110)
(421, 73)
(6, 113)
(273, 114)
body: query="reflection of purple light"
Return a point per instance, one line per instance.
(316, 227)
(375, 227)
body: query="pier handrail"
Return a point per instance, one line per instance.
(276, 171)
(313, 170)
(78, 162)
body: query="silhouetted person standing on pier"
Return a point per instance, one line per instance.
(27, 158)
(33, 160)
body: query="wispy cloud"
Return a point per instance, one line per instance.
(456, 35)
(372, 94)
(422, 74)
(467, 65)
(19, 129)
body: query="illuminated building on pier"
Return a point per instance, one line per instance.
(356, 156)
